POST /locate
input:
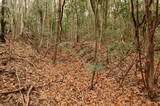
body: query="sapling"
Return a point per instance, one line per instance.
(94, 68)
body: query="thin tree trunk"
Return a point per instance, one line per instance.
(104, 18)
(151, 24)
(59, 28)
(94, 5)
(77, 22)
(3, 23)
(60, 21)
(136, 32)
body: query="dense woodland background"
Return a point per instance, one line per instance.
(84, 52)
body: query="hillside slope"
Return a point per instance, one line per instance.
(27, 77)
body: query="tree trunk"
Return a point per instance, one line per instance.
(59, 28)
(104, 18)
(77, 23)
(149, 64)
(3, 23)
(94, 5)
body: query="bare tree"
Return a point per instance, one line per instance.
(94, 5)
(137, 24)
(59, 28)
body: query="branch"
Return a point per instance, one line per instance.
(133, 15)
(157, 2)
(151, 1)
(93, 6)
(62, 9)
(13, 91)
(137, 10)
(28, 93)
(143, 19)
(129, 68)
(157, 21)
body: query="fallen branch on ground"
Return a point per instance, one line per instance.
(24, 88)
(15, 90)
(19, 58)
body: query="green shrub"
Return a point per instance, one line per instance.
(65, 44)
(95, 67)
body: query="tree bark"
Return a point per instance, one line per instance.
(3, 23)
(150, 33)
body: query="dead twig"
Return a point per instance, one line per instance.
(129, 68)
(13, 91)
(20, 58)
(27, 99)
(20, 86)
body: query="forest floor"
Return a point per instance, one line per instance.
(28, 77)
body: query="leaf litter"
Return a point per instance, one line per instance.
(67, 82)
